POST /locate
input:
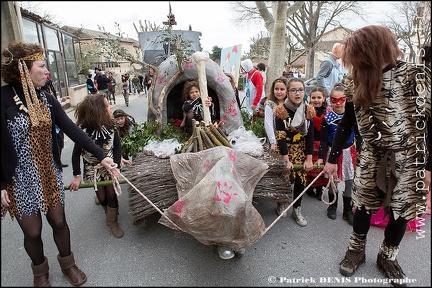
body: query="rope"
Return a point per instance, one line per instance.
(151, 203)
(115, 182)
(331, 180)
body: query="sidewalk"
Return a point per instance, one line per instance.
(120, 103)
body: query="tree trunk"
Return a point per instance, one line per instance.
(277, 44)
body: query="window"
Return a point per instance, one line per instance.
(52, 39)
(68, 46)
(30, 31)
(72, 73)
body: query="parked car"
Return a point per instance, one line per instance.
(310, 84)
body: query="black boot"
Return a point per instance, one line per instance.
(331, 210)
(348, 214)
(319, 192)
(310, 192)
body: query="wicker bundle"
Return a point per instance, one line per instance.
(154, 178)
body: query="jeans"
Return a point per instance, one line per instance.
(136, 87)
(126, 97)
(111, 96)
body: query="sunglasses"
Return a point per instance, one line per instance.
(339, 101)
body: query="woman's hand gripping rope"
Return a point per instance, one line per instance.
(115, 174)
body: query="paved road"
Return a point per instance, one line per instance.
(154, 255)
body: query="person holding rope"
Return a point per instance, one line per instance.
(295, 136)
(94, 116)
(346, 161)
(390, 101)
(31, 170)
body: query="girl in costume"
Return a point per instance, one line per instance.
(294, 135)
(94, 116)
(318, 98)
(346, 162)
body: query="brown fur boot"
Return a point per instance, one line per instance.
(75, 275)
(111, 220)
(355, 255)
(41, 274)
(387, 263)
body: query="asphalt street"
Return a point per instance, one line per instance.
(154, 255)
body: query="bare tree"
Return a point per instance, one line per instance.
(148, 26)
(411, 25)
(274, 22)
(306, 22)
(315, 18)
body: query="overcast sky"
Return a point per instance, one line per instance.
(212, 18)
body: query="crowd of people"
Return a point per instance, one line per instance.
(357, 129)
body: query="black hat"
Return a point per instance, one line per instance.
(96, 68)
(119, 113)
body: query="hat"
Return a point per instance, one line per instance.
(246, 65)
(96, 68)
(119, 113)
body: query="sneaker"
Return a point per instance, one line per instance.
(225, 253)
(348, 216)
(392, 270)
(351, 262)
(298, 217)
(331, 212)
(280, 208)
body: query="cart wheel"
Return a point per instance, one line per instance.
(239, 254)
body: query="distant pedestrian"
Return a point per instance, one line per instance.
(148, 79)
(90, 84)
(102, 81)
(287, 73)
(111, 88)
(254, 85)
(125, 88)
(328, 74)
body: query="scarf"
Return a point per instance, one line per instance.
(299, 120)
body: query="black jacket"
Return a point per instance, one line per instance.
(9, 109)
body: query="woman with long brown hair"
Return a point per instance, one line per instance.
(390, 101)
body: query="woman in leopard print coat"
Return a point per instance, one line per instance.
(31, 171)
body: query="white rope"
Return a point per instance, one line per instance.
(151, 203)
(331, 180)
(115, 183)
